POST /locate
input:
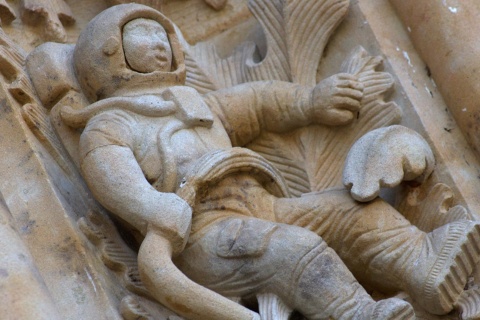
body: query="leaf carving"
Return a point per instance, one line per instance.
(206, 70)
(280, 152)
(116, 255)
(296, 32)
(318, 162)
(275, 66)
(327, 148)
(53, 14)
(132, 309)
(309, 27)
(196, 77)
(272, 308)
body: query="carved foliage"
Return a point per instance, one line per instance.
(131, 309)
(272, 308)
(296, 32)
(118, 257)
(17, 83)
(52, 14)
(312, 159)
(114, 252)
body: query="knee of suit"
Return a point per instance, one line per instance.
(297, 241)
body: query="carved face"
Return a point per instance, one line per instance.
(146, 46)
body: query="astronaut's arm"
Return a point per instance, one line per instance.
(276, 106)
(117, 182)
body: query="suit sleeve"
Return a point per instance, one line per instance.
(111, 128)
(248, 109)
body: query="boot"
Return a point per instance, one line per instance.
(437, 276)
(325, 289)
(385, 252)
(431, 267)
(389, 309)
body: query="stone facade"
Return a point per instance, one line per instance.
(234, 159)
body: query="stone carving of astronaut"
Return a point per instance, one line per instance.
(153, 151)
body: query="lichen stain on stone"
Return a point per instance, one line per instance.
(27, 223)
(27, 228)
(65, 250)
(23, 160)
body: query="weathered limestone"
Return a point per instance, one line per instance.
(23, 292)
(218, 173)
(165, 233)
(445, 34)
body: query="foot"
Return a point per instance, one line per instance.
(438, 276)
(389, 309)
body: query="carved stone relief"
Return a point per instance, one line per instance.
(452, 60)
(244, 160)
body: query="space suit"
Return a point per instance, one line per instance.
(147, 137)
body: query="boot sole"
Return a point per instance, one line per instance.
(403, 312)
(406, 313)
(445, 286)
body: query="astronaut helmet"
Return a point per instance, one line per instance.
(128, 49)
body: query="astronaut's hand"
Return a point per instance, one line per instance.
(336, 100)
